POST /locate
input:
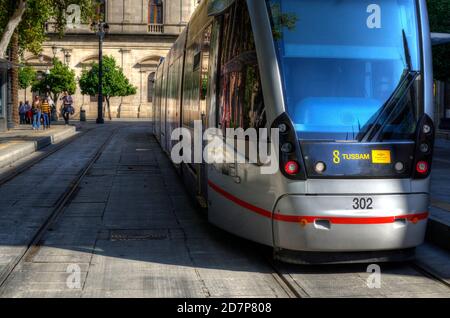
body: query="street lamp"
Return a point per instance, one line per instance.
(101, 28)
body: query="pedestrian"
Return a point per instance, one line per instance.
(52, 109)
(22, 112)
(67, 109)
(36, 110)
(28, 114)
(45, 109)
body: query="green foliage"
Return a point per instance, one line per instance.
(439, 15)
(61, 78)
(32, 27)
(27, 77)
(282, 20)
(114, 81)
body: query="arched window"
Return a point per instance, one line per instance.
(101, 10)
(150, 84)
(155, 12)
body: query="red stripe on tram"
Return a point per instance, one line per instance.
(310, 219)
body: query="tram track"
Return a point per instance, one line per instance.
(34, 242)
(293, 287)
(429, 272)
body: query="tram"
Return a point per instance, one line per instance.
(347, 86)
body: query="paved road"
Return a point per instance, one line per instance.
(132, 231)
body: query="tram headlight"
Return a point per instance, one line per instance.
(320, 167)
(426, 129)
(287, 147)
(424, 148)
(422, 167)
(291, 168)
(399, 166)
(283, 128)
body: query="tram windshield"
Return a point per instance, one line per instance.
(349, 67)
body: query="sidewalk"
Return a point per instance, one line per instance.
(439, 225)
(23, 141)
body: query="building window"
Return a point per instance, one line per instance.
(101, 10)
(155, 12)
(150, 87)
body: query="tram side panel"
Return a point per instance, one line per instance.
(241, 198)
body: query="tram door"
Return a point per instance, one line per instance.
(203, 106)
(235, 186)
(164, 106)
(157, 106)
(195, 90)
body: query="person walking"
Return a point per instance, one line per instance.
(36, 110)
(22, 113)
(67, 107)
(52, 109)
(28, 114)
(45, 109)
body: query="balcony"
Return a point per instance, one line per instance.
(155, 28)
(124, 28)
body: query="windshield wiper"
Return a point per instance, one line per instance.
(376, 127)
(407, 52)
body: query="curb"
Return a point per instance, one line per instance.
(19, 151)
(438, 229)
(438, 233)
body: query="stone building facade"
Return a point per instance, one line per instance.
(140, 33)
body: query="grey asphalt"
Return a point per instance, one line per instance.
(130, 228)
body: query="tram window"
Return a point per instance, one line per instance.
(195, 88)
(196, 78)
(241, 100)
(204, 75)
(197, 59)
(187, 89)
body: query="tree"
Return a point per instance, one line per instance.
(439, 15)
(114, 81)
(27, 77)
(28, 19)
(23, 27)
(60, 78)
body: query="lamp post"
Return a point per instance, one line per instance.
(101, 28)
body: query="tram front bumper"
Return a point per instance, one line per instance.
(346, 223)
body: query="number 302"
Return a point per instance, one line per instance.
(362, 203)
